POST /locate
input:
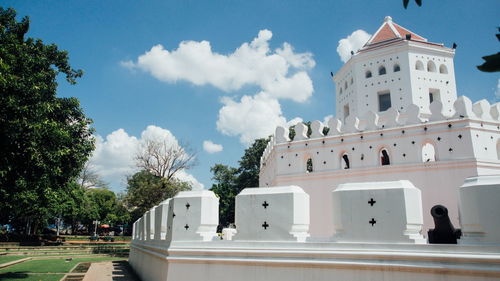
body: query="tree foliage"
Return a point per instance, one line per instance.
(45, 140)
(146, 190)
(230, 181)
(491, 62)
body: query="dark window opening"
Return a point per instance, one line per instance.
(345, 157)
(309, 165)
(346, 111)
(384, 101)
(368, 74)
(382, 71)
(397, 68)
(384, 158)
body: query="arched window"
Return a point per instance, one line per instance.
(428, 153)
(381, 70)
(431, 67)
(443, 69)
(384, 157)
(352, 80)
(368, 74)
(309, 165)
(419, 65)
(340, 90)
(344, 161)
(397, 68)
(345, 85)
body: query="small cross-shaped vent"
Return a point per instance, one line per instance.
(187, 205)
(265, 225)
(372, 202)
(186, 226)
(372, 221)
(265, 204)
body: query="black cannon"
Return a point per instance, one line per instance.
(443, 232)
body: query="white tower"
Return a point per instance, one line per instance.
(395, 68)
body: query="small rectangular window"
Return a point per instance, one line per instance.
(346, 111)
(384, 101)
(434, 95)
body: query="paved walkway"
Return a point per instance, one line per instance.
(110, 271)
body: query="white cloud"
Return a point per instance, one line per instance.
(113, 158)
(326, 119)
(281, 73)
(211, 147)
(250, 118)
(497, 92)
(353, 42)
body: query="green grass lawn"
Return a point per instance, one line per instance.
(51, 265)
(30, 277)
(6, 259)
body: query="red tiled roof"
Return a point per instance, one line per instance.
(385, 33)
(389, 31)
(403, 31)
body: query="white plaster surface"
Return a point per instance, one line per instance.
(161, 215)
(196, 215)
(480, 210)
(377, 212)
(272, 214)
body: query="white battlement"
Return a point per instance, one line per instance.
(437, 149)
(372, 122)
(272, 214)
(379, 237)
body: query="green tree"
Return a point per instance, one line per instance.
(105, 200)
(145, 190)
(230, 181)
(45, 140)
(226, 188)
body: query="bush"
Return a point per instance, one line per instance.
(109, 239)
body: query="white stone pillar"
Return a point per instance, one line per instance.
(479, 208)
(195, 216)
(144, 227)
(149, 215)
(161, 215)
(272, 214)
(134, 230)
(140, 228)
(378, 212)
(228, 233)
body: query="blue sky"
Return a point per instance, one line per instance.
(106, 39)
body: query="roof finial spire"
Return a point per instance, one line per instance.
(387, 19)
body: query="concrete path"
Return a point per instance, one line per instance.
(110, 271)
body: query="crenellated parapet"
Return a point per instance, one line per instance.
(469, 131)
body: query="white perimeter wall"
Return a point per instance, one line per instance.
(464, 148)
(230, 261)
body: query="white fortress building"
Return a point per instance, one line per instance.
(352, 199)
(398, 118)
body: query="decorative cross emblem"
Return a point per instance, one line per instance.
(373, 221)
(265, 225)
(186, 226)
(371, 202)
(265, 204)
(187, 205)
(173, 215)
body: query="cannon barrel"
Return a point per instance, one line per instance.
(443, 232)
